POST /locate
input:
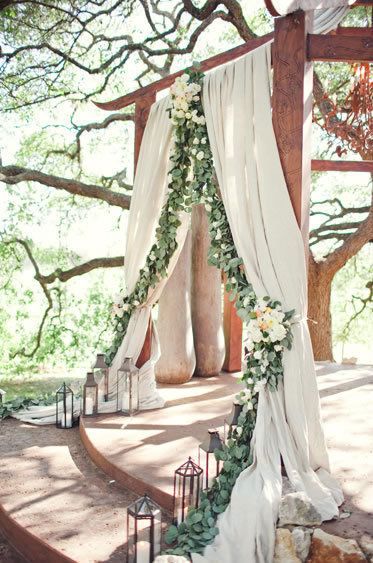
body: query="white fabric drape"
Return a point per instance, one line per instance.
(238, 113)
(149, 196)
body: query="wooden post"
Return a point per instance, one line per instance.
(232, 336)
(292, 109)
(142, 109)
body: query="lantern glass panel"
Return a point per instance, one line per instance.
(64, 407)
(187, 489)
(144, 525)
(90, 396)
(101, 373)
(206, 457)
(128, 387)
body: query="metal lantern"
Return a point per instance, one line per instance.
(128, 387)
(231, 422)
(101, 369)
(187, 489)
(144, 531)
(64, 407)
(90, 395)
(206, 456)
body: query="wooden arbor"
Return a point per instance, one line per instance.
(293, 52)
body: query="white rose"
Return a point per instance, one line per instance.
(258, 355)
(180, 113)
(278, 348)
(185, 77)
(250, 406)
(188, 115)
(152, 256)
(208, 207)
(218, 235)
(196, 98)
(203, 140)
(136, 303)
(200, 155)
(194, 151)
(239, 430)
(196, 141)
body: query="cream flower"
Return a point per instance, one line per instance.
(200, 155)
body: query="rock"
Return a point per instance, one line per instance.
(285, 551)
(302, 542)
(296, 508)
(287, 487)
(366, 544)
(332, 549)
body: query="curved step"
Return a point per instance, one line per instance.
(143, 452)
(51, 514)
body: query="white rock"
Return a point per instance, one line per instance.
(366, 543)
(296, 508)
(287, 487)
(285, 551)
(302, 541)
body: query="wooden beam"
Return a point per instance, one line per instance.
(292, 110)
(142, 109)
(359, 31)
(340, 48)
(342, 166)
(167, 81)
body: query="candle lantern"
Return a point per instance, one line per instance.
(187, 489)
(206, 457)
(144, 530)
(101, 369)
(64, 407)
(231, 422)
(128, 387)
(90, 395)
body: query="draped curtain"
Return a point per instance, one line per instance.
(237, 107)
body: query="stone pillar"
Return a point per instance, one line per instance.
(178, 360)
(207, 318)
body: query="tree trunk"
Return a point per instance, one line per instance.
(207, 317)
(174, 325)
(319, 293)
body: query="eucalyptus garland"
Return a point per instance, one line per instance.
(191, 181)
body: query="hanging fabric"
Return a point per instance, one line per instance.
(238, 115)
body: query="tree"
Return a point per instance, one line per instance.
(57, 57)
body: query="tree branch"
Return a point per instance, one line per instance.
(65, 275)
(16, 174)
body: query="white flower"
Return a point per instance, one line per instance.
(278, 348)
(136, 303)
(249, 381)
(195, 141)
(194, 151)
(169, 178)
(180, 113)
(152, 256)
(233, 280)
(203, 140)
(188, 115)
(208, 207)
(200, 155)
(250, 406)
(196, 98)
(185, 77)
(239, 430)
(218, 235)
(258, 355)
(126, 306)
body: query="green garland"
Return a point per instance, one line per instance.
(191, 181)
